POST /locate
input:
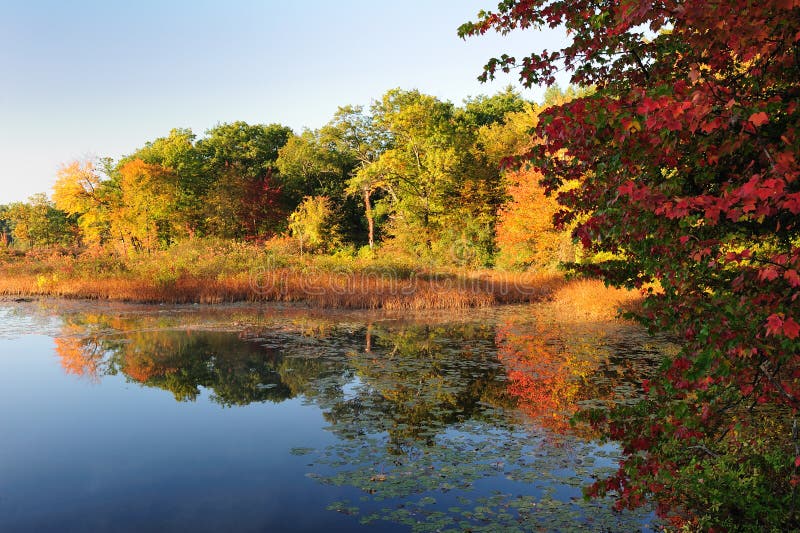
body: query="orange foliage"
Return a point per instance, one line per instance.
(524, 231)
(142, 367)
(146, 217)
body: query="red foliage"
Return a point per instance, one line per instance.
(261, 207)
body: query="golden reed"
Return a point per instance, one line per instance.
(355, 290)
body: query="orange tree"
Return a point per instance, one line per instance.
(687, 159)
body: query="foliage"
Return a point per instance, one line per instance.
(148, 196)
(487, 110)
(5, 226)
(525, 234)
(38, 223)
(443, 193)
(686, 159)
(80, 192)
(178, 152)
(317, 164)
(313, 224)
(244, 196)
(412, 176)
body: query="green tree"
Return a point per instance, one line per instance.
(5, 226)
(485, 110)
(420, 168)
(243, 198)
(314, 164)
(357, 135)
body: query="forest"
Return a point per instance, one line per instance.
(412, 174)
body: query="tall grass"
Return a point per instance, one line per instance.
(219, 271)
(590, 300)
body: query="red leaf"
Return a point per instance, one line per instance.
(792, 203)
(774, 324)
(769, 273)
(758, 119)
(791, 328)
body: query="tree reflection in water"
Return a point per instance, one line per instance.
(441, 424)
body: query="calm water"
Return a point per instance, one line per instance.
(278, 419)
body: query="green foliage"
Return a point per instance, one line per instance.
(179, 153)
(316, 164)
(6, 227)
(243, 197)
(487, 110)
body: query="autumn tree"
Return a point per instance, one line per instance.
(145, 219)
(243, 198)
(686, 157)
(480, 191)
(38, 222)
(80, 192)
(313, 224)
(178, 153)
(525, 234)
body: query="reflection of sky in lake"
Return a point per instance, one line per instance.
(294, 426)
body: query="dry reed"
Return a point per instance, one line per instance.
(590, 299)
(353, 290)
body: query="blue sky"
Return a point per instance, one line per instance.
(82, 79)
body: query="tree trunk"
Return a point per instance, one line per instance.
(370, 221)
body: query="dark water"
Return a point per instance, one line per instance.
(279, 419)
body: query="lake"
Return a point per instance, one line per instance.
(279, 418)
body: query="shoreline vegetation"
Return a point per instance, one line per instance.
(227, 272)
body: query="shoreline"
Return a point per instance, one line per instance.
(444, 290)
(568, 301)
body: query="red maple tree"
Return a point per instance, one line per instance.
(687, 159)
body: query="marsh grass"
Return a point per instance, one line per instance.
(210, 272)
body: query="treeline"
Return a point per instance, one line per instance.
(411, 175)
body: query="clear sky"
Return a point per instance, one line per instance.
(80, 78)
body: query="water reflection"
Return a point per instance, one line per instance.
(440, 424)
